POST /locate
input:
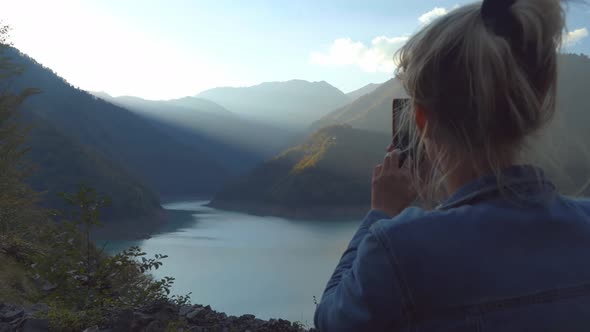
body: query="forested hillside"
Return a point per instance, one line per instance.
(62, 165)
(231, 140)
(328, 175)
(165, 165)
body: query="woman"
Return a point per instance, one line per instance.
(504, 251)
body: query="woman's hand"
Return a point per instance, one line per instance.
(392, 190)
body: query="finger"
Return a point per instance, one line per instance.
(391, 147)
(377, 170)
(387, 162)
(394, 156)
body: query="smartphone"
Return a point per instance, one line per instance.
(400, 139)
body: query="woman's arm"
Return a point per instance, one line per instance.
(363, 294)
(350, 253)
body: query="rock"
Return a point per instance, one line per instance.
(247, 317)
(47, 286)
(38, 308)
(151, 317)
(155, 326)
(6, 328)
(122, 321)
(167, 313)
(258, 323)
(142, 318)
(12, 314)
(17, 321)
(157, 306)
(35, 325)
(193, 314)
(185, 309)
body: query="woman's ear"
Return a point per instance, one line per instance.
(420, 117)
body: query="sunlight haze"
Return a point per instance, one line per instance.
(170, 49)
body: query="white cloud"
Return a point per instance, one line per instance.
(432, 15)
(573, 37)
(376, 57)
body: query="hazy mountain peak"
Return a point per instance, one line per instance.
(363, 91)
(293, 103)
(101, 94)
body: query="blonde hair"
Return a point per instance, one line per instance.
(483, 93)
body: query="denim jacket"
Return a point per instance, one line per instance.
(485, 260)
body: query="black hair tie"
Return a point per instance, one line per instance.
(497, 17)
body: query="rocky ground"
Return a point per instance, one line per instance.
(150, 318)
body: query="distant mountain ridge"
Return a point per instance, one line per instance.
(236, 143)
(353, 95)
(294, 103)
(184, 103)
(370, 111)
(373, 111)
(166, 166)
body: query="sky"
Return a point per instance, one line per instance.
(163, 49)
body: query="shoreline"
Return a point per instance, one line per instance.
(141, 228)
(153, 316)
(318, 213)
(168, 220)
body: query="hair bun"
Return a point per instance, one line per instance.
(497, 17)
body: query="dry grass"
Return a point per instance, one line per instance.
(15, 286)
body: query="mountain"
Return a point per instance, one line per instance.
(371, 111)
(168, 167)
(562, 147)
(238, 144)
(199, 105)
(293, 103)
(61, 165)
(327, 176)
(193, 103)
(353, 95)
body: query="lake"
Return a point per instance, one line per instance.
(243, 264)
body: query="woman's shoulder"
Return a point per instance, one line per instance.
(416, 218)
(483, 222)
(418, 229)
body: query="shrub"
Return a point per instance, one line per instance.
(84, 285)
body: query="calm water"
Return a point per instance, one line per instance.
(238, 263)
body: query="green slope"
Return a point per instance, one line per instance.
(327, 175)
(165, 165)
(61, 165)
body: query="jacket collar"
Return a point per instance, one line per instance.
(520, 181)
